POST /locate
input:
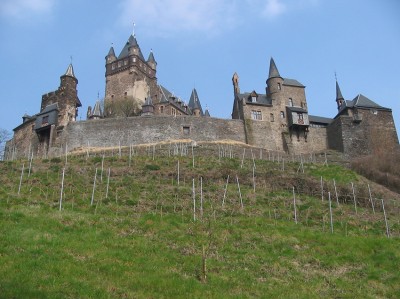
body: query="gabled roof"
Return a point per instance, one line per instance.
(194, 102)
(207, 113)
(132, 42)
(292, 82)
(361, 101)
(273, 70)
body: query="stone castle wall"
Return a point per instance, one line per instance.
(142, 130)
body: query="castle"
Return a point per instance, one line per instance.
(137, 110)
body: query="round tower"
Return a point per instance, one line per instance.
(274, 81)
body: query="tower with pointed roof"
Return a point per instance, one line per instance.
(129, 77)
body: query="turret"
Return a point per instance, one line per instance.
(148, 107)
(151, 61)
(235, 82)
(194, 104)
(339, 97)
(111, 56)
(274, 81)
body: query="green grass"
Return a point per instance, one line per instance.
(142, 242)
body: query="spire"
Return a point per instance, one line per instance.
(338, 92)
(70, 71)
(131, 43)
(194, 103)
(151, 57)
(339, 97)
(207, 112)
(111, 52)
(273, 70)
(96, 112)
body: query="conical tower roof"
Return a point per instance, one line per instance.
(339, 95)
(151, 57)
(70, 71)
(96, 112)
(132, 42)
(111, 52)
(194, 102)
(273, 70)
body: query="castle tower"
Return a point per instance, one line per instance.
(274, 81)
(129, 77)
(235, 82)
(148, 107)
(151, 61)
(339, 97)
(194, 104)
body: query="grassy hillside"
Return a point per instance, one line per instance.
(139, 234)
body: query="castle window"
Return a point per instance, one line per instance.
(113, 66)
(374, 111)
(290, 102)
(126, 62)
(303, 105)
(134, 59)
(173, 111)
(119, 63)
(282, 114)
(186, 130)
(271, 117)
(161, 109)
(253, 99)
(279, 86)
(126, 93)
(256, 115)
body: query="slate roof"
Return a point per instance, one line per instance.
(296, 109)
(261, 99)
(111, 52)
(70, 71)
(319, 119)
(132, 42)
(194, 102)
(166, 97)
(96, 112)
(292, 82)
(151, 57)
(339, 95)
(49, 108)
(273, 70)
(361, 101)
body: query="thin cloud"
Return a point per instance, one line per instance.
(23, 8)
(274, 8)
(171, 16)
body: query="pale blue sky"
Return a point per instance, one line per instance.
(201, 44)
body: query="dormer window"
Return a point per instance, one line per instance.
(253, 99)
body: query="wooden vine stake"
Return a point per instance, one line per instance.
(226, 188)
(108, 182)
(20, 180)
(102, 168)
(354, 197)
(201, 197)
(204, 265)
(294, 206)
(178, 172)
(386, 221)
(240, 193)
(337, 198)
(62, 188)
(322, 189)
(194, 201)
(371, 200)
(94, 187)
(30, 165)
(330, 210)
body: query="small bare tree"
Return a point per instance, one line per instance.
(125, 107)
(4, 136)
